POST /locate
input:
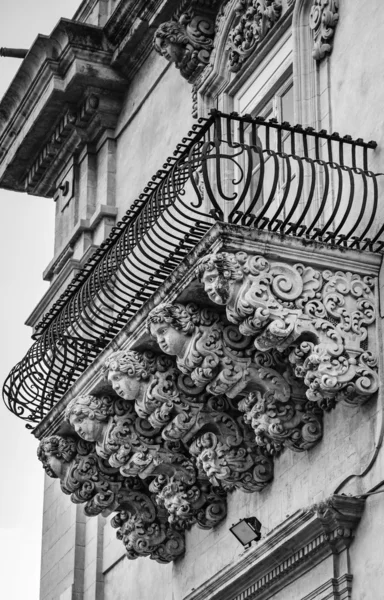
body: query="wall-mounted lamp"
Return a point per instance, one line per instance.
(247, 530)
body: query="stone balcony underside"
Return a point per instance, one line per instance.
(232, 362)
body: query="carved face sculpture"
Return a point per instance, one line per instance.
(177, 506)
(210, 463)
(90, 430)
(172, 51)
(55, 464)
(56, 452)
(126, 387)
(215, 286)
(170, 340)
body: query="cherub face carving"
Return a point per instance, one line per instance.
(90, 430)
(170, 340)
(215, 286)
(172, 51)
(55, 464)
(126, 387)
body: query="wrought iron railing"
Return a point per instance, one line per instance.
(260, 174)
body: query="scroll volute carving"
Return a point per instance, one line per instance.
(323, 19)
(218, 356)
(322, 317)
(227, 392)
(187, 40)
(83, 475)
(255, 19)
(143, 531)
(152, 514)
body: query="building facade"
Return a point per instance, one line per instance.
(208, 358)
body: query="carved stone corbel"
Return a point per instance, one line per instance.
(187, 40)
(143, 531)
(83, 475)
(323, 20)
(325, 318)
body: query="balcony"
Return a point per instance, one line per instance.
(287, 180)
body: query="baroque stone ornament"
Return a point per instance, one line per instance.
(145, 532)
(214, 355)
(323, 20)
(256, 19)
(187, 41)
(83, 475)
(219, 359)
(325, 318)
(208, 409)
(148, 524)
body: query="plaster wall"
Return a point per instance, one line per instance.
(155, 116)
(356, 62)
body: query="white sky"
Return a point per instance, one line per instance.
(26, 248)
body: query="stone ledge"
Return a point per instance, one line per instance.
(60, 83)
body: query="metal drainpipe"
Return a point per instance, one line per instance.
(13, 52)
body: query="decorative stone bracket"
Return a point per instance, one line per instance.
(225, 394)
(187, 40)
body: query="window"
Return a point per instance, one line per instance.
(280, 107)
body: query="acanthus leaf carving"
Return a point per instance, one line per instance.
(323, 317)
(256, 19)
(323, 20)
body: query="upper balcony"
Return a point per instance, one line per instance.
(285, 180)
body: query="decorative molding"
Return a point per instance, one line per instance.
(65, 94)
(256, 19)
(300, 543)
(323, 19)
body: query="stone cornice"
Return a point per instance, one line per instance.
(47, 111)
(130, 30)
(178, 286)
(85, 8)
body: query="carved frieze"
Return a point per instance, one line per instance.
(323, 20)
(255, 19)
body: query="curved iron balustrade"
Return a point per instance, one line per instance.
(243, 170)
